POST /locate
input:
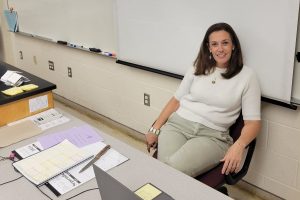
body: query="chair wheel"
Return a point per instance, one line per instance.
(223, 190)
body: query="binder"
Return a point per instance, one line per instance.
(42, 167)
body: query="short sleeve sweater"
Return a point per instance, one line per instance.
(215, 101)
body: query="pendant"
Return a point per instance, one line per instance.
(213, 82)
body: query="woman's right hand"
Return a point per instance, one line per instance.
(151, 140)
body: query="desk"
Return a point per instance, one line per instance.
(16, 107)
(134, 173)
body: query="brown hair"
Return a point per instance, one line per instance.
(204, 65)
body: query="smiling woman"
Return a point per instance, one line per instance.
(195, 122)
(221, 47)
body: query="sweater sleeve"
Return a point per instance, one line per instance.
(251, 99)
(185, 84)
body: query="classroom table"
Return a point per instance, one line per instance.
(16, 107)
(138, 170)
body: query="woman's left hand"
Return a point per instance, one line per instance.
(232, 159)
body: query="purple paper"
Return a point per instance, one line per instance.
(79, 136)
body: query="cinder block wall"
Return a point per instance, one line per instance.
(117, 92)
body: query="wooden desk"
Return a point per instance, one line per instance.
(16, 107)
(138, 170)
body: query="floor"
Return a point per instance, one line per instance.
(120, 132)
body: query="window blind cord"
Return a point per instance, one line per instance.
(10, 158)
(38, 187)
(4, 158)
(7, 4)
(1, 184)
(69, 197)
(82, 193)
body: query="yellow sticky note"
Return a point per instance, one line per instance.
(148, 192)
(13, 91)
(29, 87)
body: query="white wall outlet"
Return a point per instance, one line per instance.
(146, 99)
(51, 65)
(70, 72)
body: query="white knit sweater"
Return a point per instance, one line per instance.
(217, 105)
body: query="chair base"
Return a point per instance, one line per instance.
(223, 190)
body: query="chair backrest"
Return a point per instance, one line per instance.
(214, 177)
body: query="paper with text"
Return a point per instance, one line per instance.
(49, 163)
(72, 178)
(79, 136)
(45, 120)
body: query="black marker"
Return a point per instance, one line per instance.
(95, 50)
(62, 42)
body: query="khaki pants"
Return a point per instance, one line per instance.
(191, 147)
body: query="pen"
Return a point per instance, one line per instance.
(101, 153)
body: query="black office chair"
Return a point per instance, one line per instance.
(214, 178)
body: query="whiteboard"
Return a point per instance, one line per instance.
(88, 23)
(296, 81)
(166, 35)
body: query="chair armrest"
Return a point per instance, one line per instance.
(233, 178)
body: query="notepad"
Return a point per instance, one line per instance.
(148, 192)
(28, 87)
(17, 90)
(41, 167)
(12, 91)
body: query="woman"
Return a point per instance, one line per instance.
(192, 130)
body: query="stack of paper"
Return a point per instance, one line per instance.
(13, 78)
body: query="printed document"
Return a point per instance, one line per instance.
(41, 167)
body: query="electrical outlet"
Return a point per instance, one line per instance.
(70, 72)
(21, 55)
(34, 60)
(146, 99)
(51, 65)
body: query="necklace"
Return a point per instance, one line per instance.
(216, 74)
(214, 80)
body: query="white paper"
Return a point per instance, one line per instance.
(13, 78)
(45, 120)
(38, 103)
(29, 150)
